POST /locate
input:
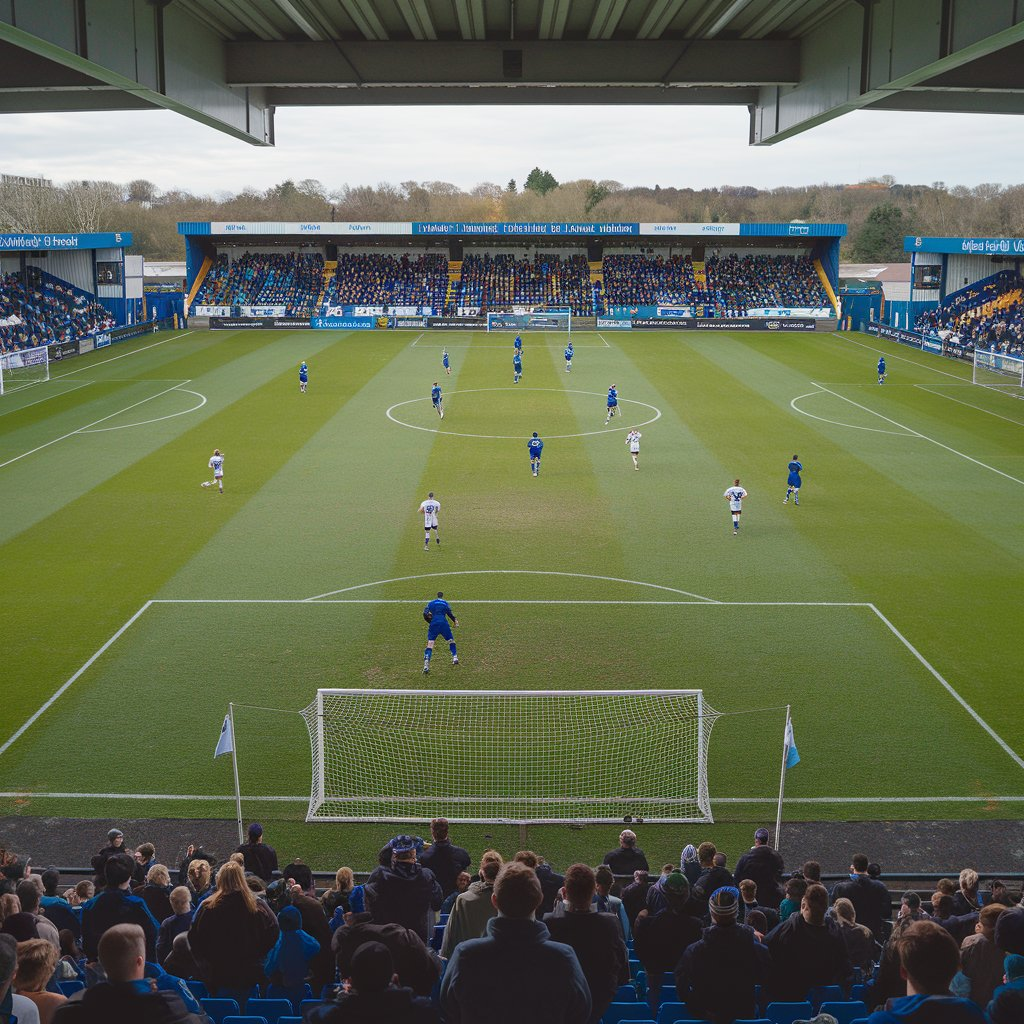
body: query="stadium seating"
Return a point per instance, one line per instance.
(39, 309)
(290, 279)
(218, 1009)
(986, 314)
(845, 1012)
(380, 279)
(499, 281)
(786, 1013)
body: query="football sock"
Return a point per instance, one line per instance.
(451, 647)
(427, 653)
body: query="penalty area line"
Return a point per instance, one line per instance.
(21, 794)
(124, 355)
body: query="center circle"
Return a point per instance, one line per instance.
(515, 437)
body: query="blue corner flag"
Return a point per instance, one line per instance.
(226, 743)
(792, 756)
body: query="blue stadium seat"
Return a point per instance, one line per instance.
(272, 1009)
(825, 994)
(69, 988)
(634, 968)
(617, 1013)
(306, 1004)
(669, 1012)
(218, 1009)
(625, 994)
(786, 1013)
(752, 1020)
(845, 1011)
(859, 992)
(197, 988)
(246, 1019)
(438, 937)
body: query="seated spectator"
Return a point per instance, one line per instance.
(928, 960)
(981, 960)
(515, 972)
(628, 857)
(36, 962)
(179, 920)
(749, 904)
(287, 964)
(416, 967)
(869, 897)
(718, 974)
(405, 893)
(463, 880)
(763, 866)
(965, 899)
(596, 938)
(375, 994)
(634, 895)
(807, 950)
(12, 1005)
(794, 889)
(860, 943)
(443, 858)
(259, 859)
(474, 908)
(338, 894)
(127, 996)
(116, 905)
(156, 893)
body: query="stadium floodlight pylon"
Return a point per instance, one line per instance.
(23, 367)
(510, 756)
(559, 321)
(997, 370)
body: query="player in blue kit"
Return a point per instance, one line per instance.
(881, 369)
(435, 397)
(536, 446)
(613, 403)
(518, 345)
(446, 363)
(437, 613)
(303, 376)
(568, 357)
(517, 368)
(793, 483)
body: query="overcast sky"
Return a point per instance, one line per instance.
(684, 146)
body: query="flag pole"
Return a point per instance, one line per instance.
(782, 777)
(238, 792)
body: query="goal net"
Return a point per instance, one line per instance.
(996, 370)
(24, 367)
(538, 320)
(556, 756)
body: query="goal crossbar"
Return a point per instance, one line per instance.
(997, 370)
(22, 367)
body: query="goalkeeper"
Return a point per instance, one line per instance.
(436, 614)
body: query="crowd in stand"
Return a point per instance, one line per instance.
(545, 279)
(989, 315)
(636, 279)
(37, 309)
(517, 941)
(290, 279)
(380, 279)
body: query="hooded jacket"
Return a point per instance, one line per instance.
(404, 894)
(287, 964)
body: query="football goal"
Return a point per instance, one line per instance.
(23, 367)
(996, 370)
(538, 320)
(519, 757)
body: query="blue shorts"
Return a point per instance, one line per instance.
(794, 480)
(534, 455)
(439, 628)
(437, 403)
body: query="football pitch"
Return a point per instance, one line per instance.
(885, 608)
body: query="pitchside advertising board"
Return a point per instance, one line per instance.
(905, 337)
(724, 324)
(63, 349)
(456, 323)
(234, 323)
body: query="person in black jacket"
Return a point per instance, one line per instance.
(406, 893)
(115, 905)
(764, 867)
(628, 857)
(260, 859)
(443, 858)
(713, 873)
(870, 898)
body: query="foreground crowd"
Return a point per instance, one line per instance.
(518, 943)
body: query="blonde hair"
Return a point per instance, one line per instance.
(85, 889)
(968, 879)
(199, 875)
(158, 875)
(181, 899)
(237, 858)
(9, 904)
(344, 880)
(36, 961)
(231, 879)
(490, 856)
(845, 911)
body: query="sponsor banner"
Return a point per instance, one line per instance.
(85, 345)
(403, 310)
(295, 228)
(234, 323)
(726, 324)
(407, 322)
(674, 311)
(357, 311)
(815, 311)
(605, 324)
(343, 323)
(102, 340)
(211, 311)
(455, 323)
(895, 334)
(31, 240)
(971, 246)
(565, 228)
(63, 349)
(262, 311)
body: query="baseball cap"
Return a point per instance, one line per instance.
(255, 829)
(115, 833)
(761, 835)
(725, 901)
(676, 884)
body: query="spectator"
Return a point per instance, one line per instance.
(812, 871)
(607, 903)
(200, 880)
(807, 950)
(36, 962)
(474, 908)
(463, 880)
(981, 960)
(405, 893)
(628, 857)
(56, 908)
(634, 895)
(998, 893)
(688, 863)
(417, 968)
(1007, 1006)
(127, 996)
(596, 939)
(192, 854)
(965, 899)
(712, 876)
(718, 974)
(287, 964)
(764, 867)
(442, 858)
(749, 904)
(928, 960)
(157, 892)
(659, 939)
(29, 896)
(550, 885)
(145, 858)
(910, 906)
(12, 1005)
(759, 923)
(260, 859)
(794, 889)
(179, 921)
(339, 893)
(860, 944)
(515, 972)
(869, 897)
(231, 934)
(116, 905)
(314, 923)
(374, 994)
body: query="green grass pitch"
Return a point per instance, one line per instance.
(885, 608)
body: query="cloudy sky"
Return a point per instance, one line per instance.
(685, 146)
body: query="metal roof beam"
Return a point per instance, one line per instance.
(553, 16)
(417, 17)
(472, 23)
(366, 19)
(253, 18)
(301, 17)
(606, 18)
(658, 18)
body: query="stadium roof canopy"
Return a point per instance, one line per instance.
(793, 63)
(1011, 247)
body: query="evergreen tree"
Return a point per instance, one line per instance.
(881, 237)
(541, 182)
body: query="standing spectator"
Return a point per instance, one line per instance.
(889, 983)
(634, 895)
(115, 846)
(764, 867)
(231, 934)
(794, 889)
(179, 921)
(287, 964)
(36, 962)
(314, 923)
(8, 968)
(444, 859)
(928, 960)
(1007, 1006)
(157, 892)
(193, 854)
(981, 959)
(339, 893)
(416, 966)
(463, 880)
(145, 858)
(29, 897)
(595, 937)
(812, 871)
(628, 857)
(116, 905)
(749, 904)
(515, 972)
(607, 903)
(56, 908)
(965, 899)
(712, 874)
(869, 897)
(807, 950)
(718, 974)
(406, 892)
(260, 859)
(550, 885)
(474, 908)
(860, 944)
(998, 893)
(200, 880)
(688, 863)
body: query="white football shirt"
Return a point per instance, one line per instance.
(735, 496)
(217, 465)
(430, 508)
(633, 440)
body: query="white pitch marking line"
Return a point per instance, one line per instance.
(75, 385)
(998, 416)
(123, 355)
(149, 796)
(949, 689)
(85, 429)
(924, 437)
(894, 355)
(515, 572)
(542, 601)
(157, 419)
(604, 339)
(417, 338)
(837, 423)
(53, 699)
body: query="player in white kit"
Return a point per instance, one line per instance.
(735, 495)
(217, 465)
(633, 440)
(430, 508)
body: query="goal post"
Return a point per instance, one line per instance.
(552, 320)
(997, 370)
(22, 367)
(510, 756)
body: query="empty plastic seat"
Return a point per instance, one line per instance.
(670, 1012)
(272, 1009)
(218, 1009)
(618, 1013)
(859, 992)
(306, 1004)
(438, 937)
(825, 994)
(197, 988)
(845, 1011)
(786, 1013)
(244, 1019)
(625, 994)
(69, 988)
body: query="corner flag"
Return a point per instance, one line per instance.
(226, 743)
(792, 756)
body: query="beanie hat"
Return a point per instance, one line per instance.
(676, 885)
(1010, 931)
(117, 870)
(689, 854)
(1013, 966)
(724, 902)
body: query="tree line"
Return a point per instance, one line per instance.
(879, 211)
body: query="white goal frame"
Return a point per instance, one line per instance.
(555, 321)
(1010, 367)
(683, 717)
(23, 359)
